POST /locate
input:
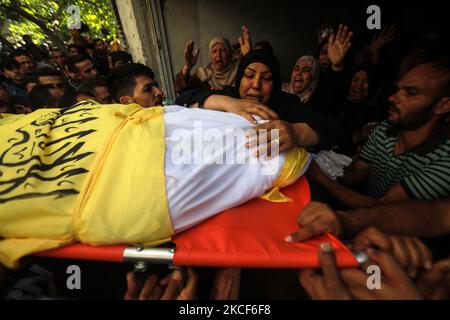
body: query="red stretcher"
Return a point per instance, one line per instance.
(250, 235)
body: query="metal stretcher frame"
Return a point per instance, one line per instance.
(250, 235)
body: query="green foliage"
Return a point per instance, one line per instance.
(97, 15)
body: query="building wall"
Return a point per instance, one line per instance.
(128, 18)
(289, 25)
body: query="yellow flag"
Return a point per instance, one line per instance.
(81, 174)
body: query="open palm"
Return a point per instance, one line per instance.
(190, 55)
(338, 45)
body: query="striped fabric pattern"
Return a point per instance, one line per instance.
(423, 172)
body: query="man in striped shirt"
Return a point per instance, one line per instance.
(407, 156)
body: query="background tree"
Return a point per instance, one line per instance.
(47, 19)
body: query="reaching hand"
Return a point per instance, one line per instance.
(315, 220)
(245, 41)
(338, 46)
(226, 284)
(412, 255)
(168, 288)
(435, 283)
(380, 40)
(326, 283)
(316, 174)
(263, 137)
(394, 282)
(190, 57)
(246, 108)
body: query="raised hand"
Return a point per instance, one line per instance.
(245, 41)
(190, 57)
(380, 40)
(338, 46)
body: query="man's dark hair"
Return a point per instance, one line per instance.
(40, 97)
(439, 63)
(48, 72)
(18, 53)
(70, 46)
(89, 46)
(56, 49)
(122, 81)
(10, 64)
(72, 61)
(123, 56)
(443, 65)
(88, 87)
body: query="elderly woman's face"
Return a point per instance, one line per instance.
(220, 57)
(359, 88)
(301, 76)
(257, 83)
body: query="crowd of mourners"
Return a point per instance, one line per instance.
(348, 100)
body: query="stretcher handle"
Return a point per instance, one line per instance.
(149, 255)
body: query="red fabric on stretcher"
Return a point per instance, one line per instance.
(252, 235)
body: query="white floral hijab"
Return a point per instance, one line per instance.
(215, 78)
(315, 72)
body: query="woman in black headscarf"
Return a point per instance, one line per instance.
(362, 108)
(257, 91)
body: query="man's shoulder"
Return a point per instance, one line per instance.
(385, 128)
(439, 141)
(382, 132)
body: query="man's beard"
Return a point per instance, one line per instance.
(414, 120)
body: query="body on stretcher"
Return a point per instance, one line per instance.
(65, 182)
(107, 175)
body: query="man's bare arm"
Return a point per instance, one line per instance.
(414, 218)
(417, 218)
(345, 195)
(356, 174)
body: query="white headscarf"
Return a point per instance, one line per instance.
(215, 78)
(315, 72)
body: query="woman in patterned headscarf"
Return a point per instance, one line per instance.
(219, 73)
(304, 78)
